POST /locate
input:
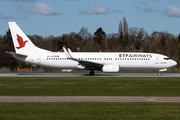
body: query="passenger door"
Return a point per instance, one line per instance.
(157, 60)
(39, 59)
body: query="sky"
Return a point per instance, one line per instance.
(58, 17)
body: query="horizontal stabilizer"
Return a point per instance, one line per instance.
(14, 54)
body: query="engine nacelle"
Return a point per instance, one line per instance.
(111, 68)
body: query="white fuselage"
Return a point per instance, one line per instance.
(125, 60)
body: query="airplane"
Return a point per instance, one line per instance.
(110, 62)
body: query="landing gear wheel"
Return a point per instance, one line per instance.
(91, 72)
(159, 73)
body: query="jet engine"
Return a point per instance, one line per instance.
(111, 68)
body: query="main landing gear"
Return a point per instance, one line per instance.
(91, 72)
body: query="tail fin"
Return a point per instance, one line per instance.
(22, 43)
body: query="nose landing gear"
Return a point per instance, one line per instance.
(159, 73)
(161, 70)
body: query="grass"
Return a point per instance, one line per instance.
(100, 86)
(89, 111)
(90, 86)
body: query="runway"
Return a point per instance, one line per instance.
(122, 99)
(87, 75)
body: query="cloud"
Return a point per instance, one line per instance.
(72, 0)
(142, 2)
(39, 8)
(22, 0)
(146, 10)
(97, 10)
(149, 9)
(4, 16)
(172, 11)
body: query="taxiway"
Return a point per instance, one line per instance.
(123, 99)
(87, 75)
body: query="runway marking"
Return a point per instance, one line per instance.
(150, 100)
(122, 99)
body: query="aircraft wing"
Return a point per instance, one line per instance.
(88, 65)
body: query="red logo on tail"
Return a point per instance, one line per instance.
(21, 42)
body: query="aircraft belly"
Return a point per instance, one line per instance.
(135, 65)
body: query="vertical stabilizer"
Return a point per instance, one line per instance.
(22, 43)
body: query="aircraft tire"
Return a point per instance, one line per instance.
(91, 72)
(159, 73)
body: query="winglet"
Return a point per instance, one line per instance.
(67, 54)
(69, 50)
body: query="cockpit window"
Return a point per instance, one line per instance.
(166, 58)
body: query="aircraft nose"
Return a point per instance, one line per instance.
(173, 63)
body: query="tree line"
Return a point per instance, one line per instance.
(132, 39)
